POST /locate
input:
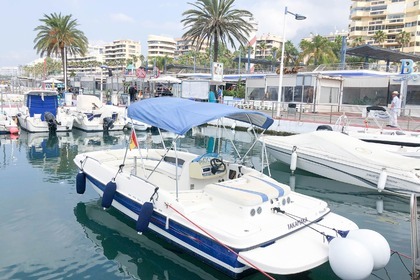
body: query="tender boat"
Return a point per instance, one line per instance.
(41, 113)
(344, 158)
(92, 115)
(231, 216)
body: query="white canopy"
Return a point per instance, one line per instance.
(50, 81)
(166, 79)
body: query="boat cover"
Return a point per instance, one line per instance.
(179, 115)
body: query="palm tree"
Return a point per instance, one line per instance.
(263, 47)
(403, 39)
(318, 51)
(358, 41)
(217, 22)
(380, 37)
(59, 34)
(290, 53)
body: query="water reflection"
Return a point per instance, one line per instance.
(143, 256)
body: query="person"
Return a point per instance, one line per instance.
(132, 93)
(212, 97)
(220, 95)
(395, 108)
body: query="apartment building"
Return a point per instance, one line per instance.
(90, 63)
(266, 45)
(390, 16)
(160, 46)
(120, 51)
(184, 46)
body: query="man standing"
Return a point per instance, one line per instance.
(395, 108)
(132, 93)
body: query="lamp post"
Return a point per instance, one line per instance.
(280, 92)
(102, 82)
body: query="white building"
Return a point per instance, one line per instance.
(160, 46)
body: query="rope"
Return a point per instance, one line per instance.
(215, 239)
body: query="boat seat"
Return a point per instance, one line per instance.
(249, 190)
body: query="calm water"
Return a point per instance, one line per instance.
(48, 231)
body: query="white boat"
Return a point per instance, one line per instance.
(8, 125)
(380, 132)
(344, 158)
(41, 113)
(138, 126)
(92, 115)
(231, 216)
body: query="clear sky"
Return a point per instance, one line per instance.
(104, 21)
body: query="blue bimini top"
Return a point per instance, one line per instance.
(179, 115)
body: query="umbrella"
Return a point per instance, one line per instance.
(50, 81)
(166, 79)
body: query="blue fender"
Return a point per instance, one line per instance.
(81, 182)
(109, 193)
(145, 215)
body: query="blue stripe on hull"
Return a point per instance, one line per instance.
(192, 238)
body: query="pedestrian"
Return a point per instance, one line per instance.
(220, 95)
(395, 109)
(132, 93)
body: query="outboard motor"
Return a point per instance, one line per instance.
(108, 123)
(51, 121)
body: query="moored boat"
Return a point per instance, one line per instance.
(41, 113)
(229, 215)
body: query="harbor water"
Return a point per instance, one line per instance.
(48, 231)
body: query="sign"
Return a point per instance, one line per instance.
(217, 72)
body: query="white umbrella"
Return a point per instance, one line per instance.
(50, 81)
(166, 79)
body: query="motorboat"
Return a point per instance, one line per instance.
(7, 124)
(231, 216)
(92, 115)
(380, 132)
(344, 158)
(138, 126)
(41, 113)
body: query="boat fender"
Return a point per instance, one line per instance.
(145, 215)
(109, 193)
(349, 259)
(375, 243)
(382, 180)
(81, 182)
(293, 160)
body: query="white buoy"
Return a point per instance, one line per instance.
(382, 180)
(375, 243)
(349, 259)
(293, 160)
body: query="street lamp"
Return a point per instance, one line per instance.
(102, 82)
(280, 92)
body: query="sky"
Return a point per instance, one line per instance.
(104, 21)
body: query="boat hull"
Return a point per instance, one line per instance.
(338, 166)
(197, 219)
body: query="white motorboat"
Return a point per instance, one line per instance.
(381, 132)
(344, 158)
(229, 215)
(138, 126)
(8, 125)
(41, 113)
(92, 115)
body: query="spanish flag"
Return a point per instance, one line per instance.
(133, 140)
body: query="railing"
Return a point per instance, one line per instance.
(414, 236)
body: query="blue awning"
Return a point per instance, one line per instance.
(180, 115)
